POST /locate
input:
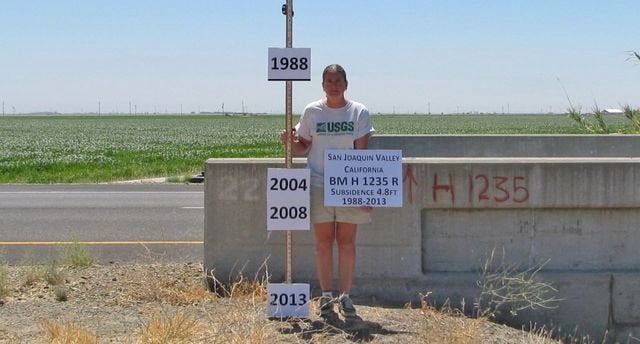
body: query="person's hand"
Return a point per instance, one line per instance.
(284, 136)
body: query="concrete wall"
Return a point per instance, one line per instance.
(579, 216)
(510, 145)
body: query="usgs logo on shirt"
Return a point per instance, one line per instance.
(334, 127)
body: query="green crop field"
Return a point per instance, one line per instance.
(88, 149)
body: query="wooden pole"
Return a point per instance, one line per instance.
(288, 127)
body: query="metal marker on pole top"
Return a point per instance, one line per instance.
(287, 10)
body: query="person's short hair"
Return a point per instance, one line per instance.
(334, 68)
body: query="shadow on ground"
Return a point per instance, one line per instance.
(354, 328)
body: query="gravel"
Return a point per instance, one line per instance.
(117, 303)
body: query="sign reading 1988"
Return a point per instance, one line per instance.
(362, 178)
(288, 199)
(289, 64)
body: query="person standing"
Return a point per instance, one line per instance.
(333, 122)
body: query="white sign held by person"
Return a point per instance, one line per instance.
(363, 178)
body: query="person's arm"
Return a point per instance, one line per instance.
(361, 142)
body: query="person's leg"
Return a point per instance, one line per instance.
(346, 238)
(325, 237)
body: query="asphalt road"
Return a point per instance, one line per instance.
(117, 223)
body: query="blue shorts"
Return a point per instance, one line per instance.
(322, 214)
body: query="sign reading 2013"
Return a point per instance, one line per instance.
(363, 178)
(288, 299)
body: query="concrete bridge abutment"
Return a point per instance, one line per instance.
(576, 216)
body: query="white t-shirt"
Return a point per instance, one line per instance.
(334, 128)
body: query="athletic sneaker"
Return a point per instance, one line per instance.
(325, 304)
(346, 306)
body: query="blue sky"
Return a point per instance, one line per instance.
(404, 56)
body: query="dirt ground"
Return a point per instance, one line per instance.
(168, 303)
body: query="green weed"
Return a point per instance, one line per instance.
(4, 274)
(54, 274)
(61, 293)
(597, 127)
(633, 115)
(77, 255)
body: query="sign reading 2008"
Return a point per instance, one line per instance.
(363, 178)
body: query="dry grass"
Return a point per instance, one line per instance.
(451, 326)
(33, 275)
(439, 324)
(68, 333)
(171, 303)
(541, 335)
(178, 328)
(153, 287)
(177, 293)
(244, 308)
(505, 286)
(241, 323)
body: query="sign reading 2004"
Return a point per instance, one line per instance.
(363, 178)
